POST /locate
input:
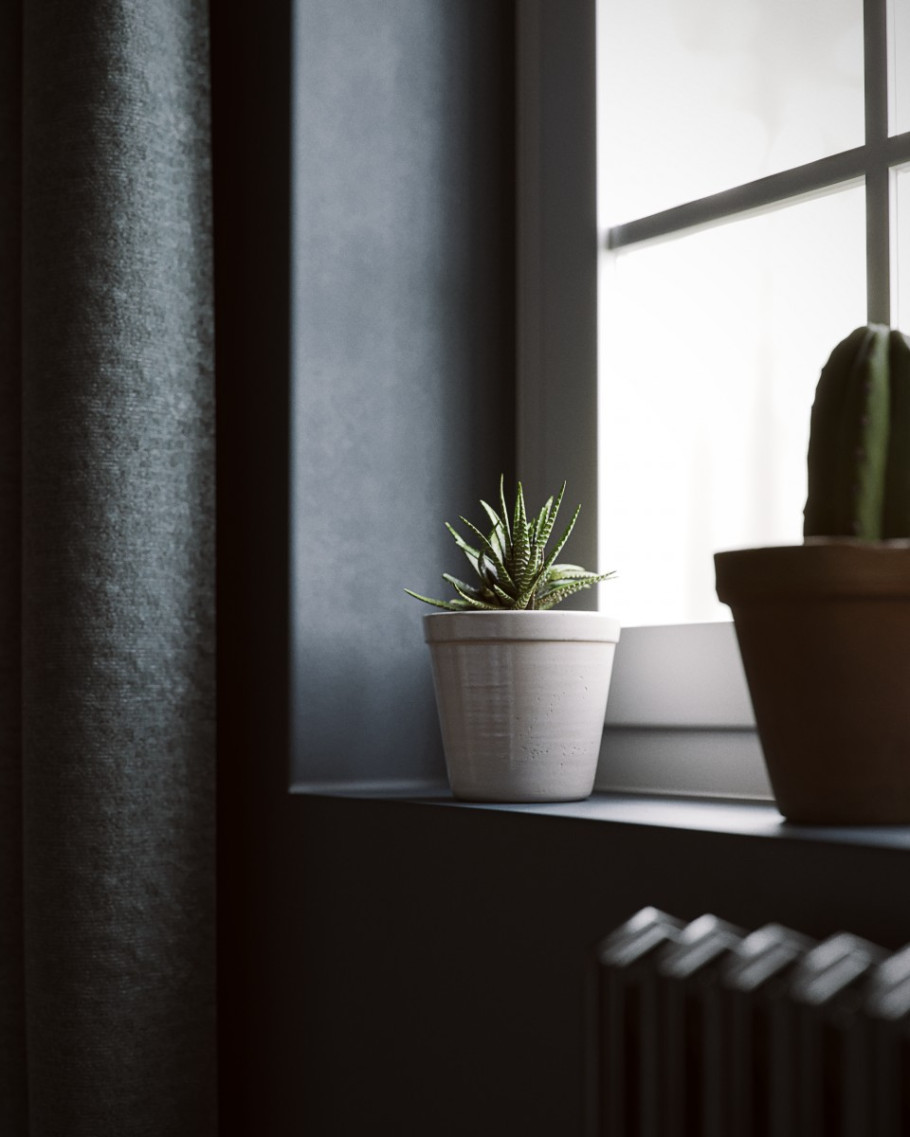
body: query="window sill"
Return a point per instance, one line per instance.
(743, 819)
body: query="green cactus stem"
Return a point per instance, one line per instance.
(859, 444)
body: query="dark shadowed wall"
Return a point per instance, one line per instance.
(402, 354)
(353, 420)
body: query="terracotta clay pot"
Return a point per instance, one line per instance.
(824, 634)
(521, 699)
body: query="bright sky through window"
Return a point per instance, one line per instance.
(725, 91)
(712, 338)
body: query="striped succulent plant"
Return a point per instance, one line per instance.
(512, 565)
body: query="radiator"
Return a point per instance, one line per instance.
(704, 1029)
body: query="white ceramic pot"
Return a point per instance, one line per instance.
(521, 698)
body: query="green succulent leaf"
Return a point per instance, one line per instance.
(498, 537)
(471, 553)
(552, 512)
(561, 593)
(490, 553)
(504, 508)
(561, 543)
(583, 581)
(473, 602)
(520, 537)
(449, 605)
(511, 562)
(506, 600)
(567, 571)
(492, 514)
(531, 574)
(468, 591)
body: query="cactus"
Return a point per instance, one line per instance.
(859, 444)
(513, 567)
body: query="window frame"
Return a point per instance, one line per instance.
(677, 689)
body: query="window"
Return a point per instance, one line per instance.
(752, 208)
(745, 188)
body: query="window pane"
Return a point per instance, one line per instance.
(726, 92)
(712, 344)
(899, 65)
(901, 236)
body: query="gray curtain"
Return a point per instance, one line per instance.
(106, 571)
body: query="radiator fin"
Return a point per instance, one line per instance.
(704, 1029)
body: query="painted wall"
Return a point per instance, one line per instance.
(402, 355)
(392, 368)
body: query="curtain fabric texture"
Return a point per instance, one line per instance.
(107, 978)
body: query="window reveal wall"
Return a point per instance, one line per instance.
(403, 359)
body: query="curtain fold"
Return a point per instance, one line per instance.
(12, 991)
(107, 977)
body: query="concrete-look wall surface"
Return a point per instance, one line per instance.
(402, 355)
(365, 150)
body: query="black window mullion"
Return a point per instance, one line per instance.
(872, 161)
(774, 189)
(897, 149)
